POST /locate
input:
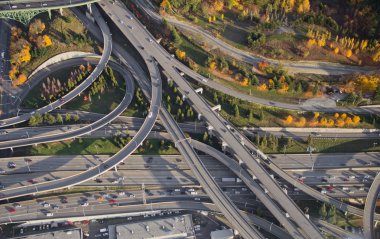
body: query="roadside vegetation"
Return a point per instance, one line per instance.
(97, 146)
(242, 113)
(336, 31)
(44, 38)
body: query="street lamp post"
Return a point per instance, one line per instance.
(310, 149)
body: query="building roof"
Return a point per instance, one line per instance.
(222, 234)
(173, 227)
(63, 234)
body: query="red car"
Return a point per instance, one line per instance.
(112, 201)
(32, 181)
(330, 188)
(12, 210)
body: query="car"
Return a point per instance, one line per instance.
(14, 7)
(129, 218)
(28, 160)
(150, 115)
(130, 27)
(63, 200)
(114, 196)
(150, 40)
(112, 201)
(11, 165)
(121, 21)
(324, 180)
(55, 207)
(11, 210)
(46, 204)
(142, 47)
(32, 181)
(100, 198)
(197, 199)
(98, 180)
(316, 134)
(44, 4)
(17, 205)
(132, 195)
(130, 17)
(121, 193)
(3, 132)
(2, 171)
(84, 204)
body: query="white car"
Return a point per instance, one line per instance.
(84, 204)
(150, 115)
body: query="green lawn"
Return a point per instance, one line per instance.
(329, 146)
(56, 29)
(93, 146)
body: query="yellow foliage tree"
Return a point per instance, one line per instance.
(214, 18)
(284, 87)
(212, 65)
(262, 87)
(36, 27)
(376, 56)
(336, 50)
(209, 19)
(343, 116)
(13, 72)
(348, 120)
(180, 54)
(47, 40)
(290, 5)
(339, 123)
(321, 42)
(218, 6)
(301, 122)
(366, 83)
(306, 5)
(310, 43)
(165, 5)
(222, 17)
(316, 115)
(349, 53)
(356, 119)
(270, 84)
(24, 55)
(245, 82)
(336, 115)
(289, 119)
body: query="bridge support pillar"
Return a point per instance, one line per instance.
(224, 146)
(12, 149)
(115, 168)
(199, 116)
(61, 11)
(89, 14)
(183, 97)
(209, 129)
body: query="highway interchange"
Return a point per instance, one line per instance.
(266, 188)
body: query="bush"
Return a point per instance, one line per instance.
(256, 39)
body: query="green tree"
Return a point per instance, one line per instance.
(332, 215)
(250, 115)
(322, 211)
(205, 137)
(67, 117)
(309, 140)
(50, 119)
(59, 119)
(255, 80)
(76, 117)
(261, 115)
(33, 121)
(236, 110)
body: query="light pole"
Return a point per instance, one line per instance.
(27, 164)
(310, 149)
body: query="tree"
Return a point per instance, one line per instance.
(322, 211)
(50, 119)
(309, 140)
(32, 121)
(59, 119)
(67, 117)
(349, 53)
(332, 215)
(256, 39)
(236, 110)
(76, 117)
(36, 27)
(205, 137)
(261, 115)
(289, 119)
(356, 119)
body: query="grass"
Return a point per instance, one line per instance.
(93, 146)
(329, 146)
(33, 99)
(196, 53)
(56, 28)
(102, 103)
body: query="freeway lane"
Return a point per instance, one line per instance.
(162, 57)
(28, 5)
(232, 92)
(370, 208)
(88, 128)
(107, 48)
(111, 162)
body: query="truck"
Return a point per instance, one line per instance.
(229, 180)
(103, 230)
(49, 214)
